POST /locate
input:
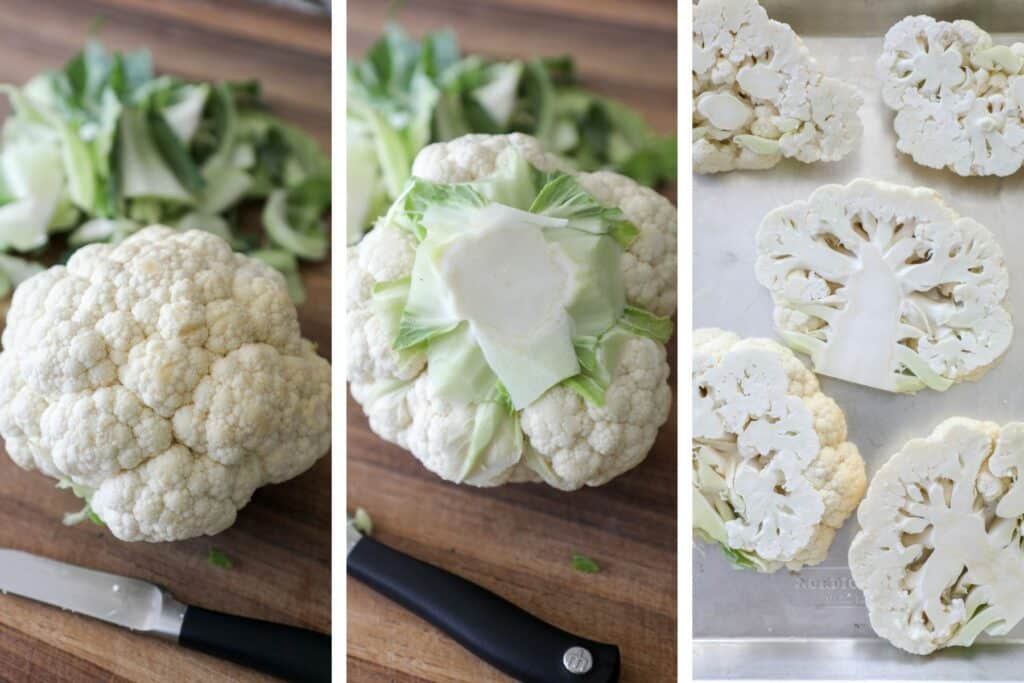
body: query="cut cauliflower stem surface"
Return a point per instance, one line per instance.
(165, 379)
(886, 286)
(507, 318)
(759, 96)
(958, 97)
(939, 555)
(774, 476)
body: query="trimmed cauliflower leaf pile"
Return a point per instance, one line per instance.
(164, 379)
(774, 477)
(405, 94)
(759, 96)
(507, 318)
(104, 147)
(940, 553)
(958, 97)
(886, 286)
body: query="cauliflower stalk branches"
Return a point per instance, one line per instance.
(886, 286)
(958, 97)
(163, 380)
(939, 555)
(774, 476)
(759, 97)
(497, 324)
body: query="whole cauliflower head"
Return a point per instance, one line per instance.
(958, 97)
(759, 96)
(164, 379)
(774, 476)
(507, 318)
(939, 554)
(886, 286)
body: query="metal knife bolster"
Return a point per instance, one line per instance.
(168, 621)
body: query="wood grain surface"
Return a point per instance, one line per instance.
(517, 540)
(281, 544)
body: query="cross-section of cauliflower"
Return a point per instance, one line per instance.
(507, 318)
(774, 477)
(759, 96)
(958, 97)
(886, 286)
(939, 554)
(165, 379)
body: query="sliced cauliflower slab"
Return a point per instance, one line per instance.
(958, 97)
(774, 477)
(759, 96)
(886, 286)
(939, 553)
(164, 379)
(507, 318)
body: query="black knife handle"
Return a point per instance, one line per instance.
(287, 652)
(492, 628)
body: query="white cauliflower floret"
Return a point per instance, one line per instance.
(886, 286)
(758, 95)
(959, 98)
(939, 552)
(480, 438)
(165, 379)
(774, 476)
(578, 442)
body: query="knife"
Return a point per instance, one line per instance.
(286, 651)
(503, 635)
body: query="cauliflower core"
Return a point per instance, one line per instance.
(886, 286)
(506, 319)
(959, 98)
(759, 96)
(774, 476)
(166, 378)
(939, 553)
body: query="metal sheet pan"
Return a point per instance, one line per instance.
(814, 624)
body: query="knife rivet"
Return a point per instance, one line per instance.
(577, 660)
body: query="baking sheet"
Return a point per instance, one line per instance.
(819, 614)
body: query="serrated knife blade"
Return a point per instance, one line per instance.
(289, 652)
(131, 603)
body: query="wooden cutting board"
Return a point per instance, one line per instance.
(281, 545)
(517, 540)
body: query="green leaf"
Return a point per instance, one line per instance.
(584, 564)
(174, 152)
(219, 559)
(646, 324)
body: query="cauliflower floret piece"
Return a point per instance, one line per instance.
(165, 378)
(938, 555)
(758, 95)
(774, 476)
(886, 286)
(958, 97)
(439, 397)
(577, 443)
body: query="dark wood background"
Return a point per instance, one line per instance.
(281, 545)
(517, 540)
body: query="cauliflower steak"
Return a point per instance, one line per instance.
(939, 554)
(759, 96)
(886, 286)
(165, 379)
(774, 477)
(958, 97)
